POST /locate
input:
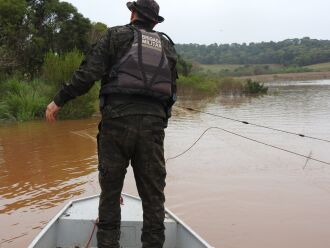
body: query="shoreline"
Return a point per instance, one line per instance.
(299, 76)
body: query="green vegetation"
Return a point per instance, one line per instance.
(41, 43)
(248, 70)
(254, 87)
(22, 101)
(29, 29)
(225, 85)
(216, 68)
(82, 107)
(210, 79)
(184, 67)
(319, 67)
(96, 32)
(298, 52)
(56, 71)
(199, 82)
(287, 56)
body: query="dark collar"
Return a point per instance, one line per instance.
(141, 25)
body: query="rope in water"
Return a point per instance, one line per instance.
(251, 139)
(256, 125)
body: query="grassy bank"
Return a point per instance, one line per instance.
(23, 100)
(290, 76)
(249, 70)
(216, 85)
(265, 73)
(209, 79)
(319, 67)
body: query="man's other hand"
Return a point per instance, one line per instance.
(51, 112)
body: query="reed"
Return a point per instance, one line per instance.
(22, 101)
(56, 71)
(199, 82)
(224, 85)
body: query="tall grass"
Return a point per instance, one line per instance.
(319, 67)
(229, 85)
(254, 87)
(22, 101)
(57, 70)
(5, 114)
(82, 107)
(199, 82)
(214, 83)
(226, 85)
(250, 70)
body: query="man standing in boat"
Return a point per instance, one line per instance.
(136, 66)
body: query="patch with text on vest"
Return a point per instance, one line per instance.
(151, 42)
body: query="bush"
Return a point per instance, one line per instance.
(5, 113)
(231, 85)
(56, 71)
(82, 107)
(184, 67)
(22, 101)
(213, 84)
(199, 82)
(227, 85)
(254, 87)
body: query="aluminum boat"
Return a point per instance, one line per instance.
(74, 227)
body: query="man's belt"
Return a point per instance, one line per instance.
(125, 98)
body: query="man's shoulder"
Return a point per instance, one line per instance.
(120, 30)
(120, 37)
(166, 39)
(168, 45)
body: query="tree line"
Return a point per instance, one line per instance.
(301, 52)
(41, 43)
(31, 28)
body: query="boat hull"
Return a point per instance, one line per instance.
(74, 226)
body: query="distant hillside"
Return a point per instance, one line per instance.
(300, 52)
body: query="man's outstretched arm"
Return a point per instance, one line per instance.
(92, 68)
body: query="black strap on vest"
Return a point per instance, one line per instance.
(169, 39)
(152, 80)
(140, 62)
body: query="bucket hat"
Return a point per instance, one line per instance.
(148, 8)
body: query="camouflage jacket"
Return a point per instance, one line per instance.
(104, 54)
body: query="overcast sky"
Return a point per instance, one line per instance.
(224, 21)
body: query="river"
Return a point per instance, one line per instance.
(234, 192)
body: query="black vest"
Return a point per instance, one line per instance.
(144, 70)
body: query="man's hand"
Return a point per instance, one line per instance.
(51, 112)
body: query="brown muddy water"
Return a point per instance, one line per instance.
(233, 192)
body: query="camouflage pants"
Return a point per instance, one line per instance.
(139, 139)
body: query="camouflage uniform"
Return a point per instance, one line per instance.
(130, 130)
(138, 138)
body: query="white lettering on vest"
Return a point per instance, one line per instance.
(151, 42)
